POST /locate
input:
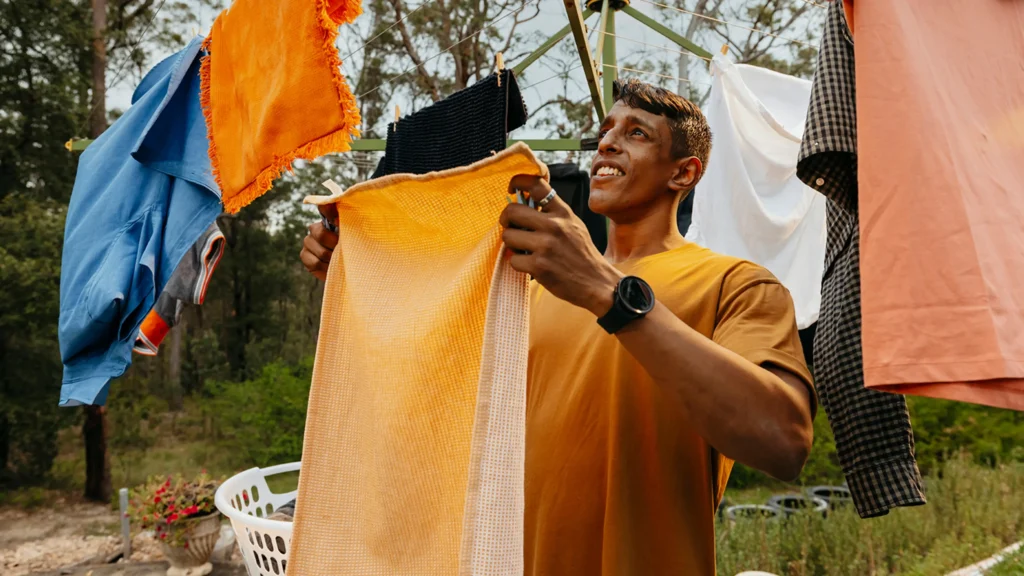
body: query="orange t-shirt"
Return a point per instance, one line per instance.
(617, 483)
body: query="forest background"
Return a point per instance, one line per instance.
(228, 389)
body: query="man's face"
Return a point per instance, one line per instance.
(634, 166)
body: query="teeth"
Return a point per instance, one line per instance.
(609, 171)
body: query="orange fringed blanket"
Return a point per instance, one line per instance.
(273, 91)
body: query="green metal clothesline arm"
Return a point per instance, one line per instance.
(579, 34)
(609, 58)
(378, 144)
(666, 32)
(547, 145)
(547, 45)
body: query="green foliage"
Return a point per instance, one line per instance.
(30, 247)
(972, 512)
(262, 420)
(44, 91)
(943, 427)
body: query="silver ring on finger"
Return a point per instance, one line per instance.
(545, 200)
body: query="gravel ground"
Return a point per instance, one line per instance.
(74, 534)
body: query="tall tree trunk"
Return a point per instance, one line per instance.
(97, 459)
(5, 443)
(98, 117)
(174, 368)
(94, 430)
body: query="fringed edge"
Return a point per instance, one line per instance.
(338, 141)
(347, 11)
(204, 103)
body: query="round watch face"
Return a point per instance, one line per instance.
(636, 295)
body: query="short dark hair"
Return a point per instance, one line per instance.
(691, 135)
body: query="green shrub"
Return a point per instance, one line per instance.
(943, 428)
(262, 420)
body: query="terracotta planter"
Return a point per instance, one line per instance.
(200, 533)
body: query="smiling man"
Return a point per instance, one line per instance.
(652, 367)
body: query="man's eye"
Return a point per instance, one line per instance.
(640, 132)
(602, 133)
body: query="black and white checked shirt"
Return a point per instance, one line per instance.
(872, 429)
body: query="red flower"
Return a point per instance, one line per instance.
(156, 499)
(186, 545)
(144, 518)
(161, 490)
(191, 510)
(163, 536)
(170, 508)
(172, 518)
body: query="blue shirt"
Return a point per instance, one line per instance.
(143, 195)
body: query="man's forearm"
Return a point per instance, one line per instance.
(756, 416)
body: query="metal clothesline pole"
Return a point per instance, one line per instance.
(599, 78)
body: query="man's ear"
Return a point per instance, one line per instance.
(686, 175)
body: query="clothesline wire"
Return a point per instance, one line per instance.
(813, 3)
(726, 23)
(438, 54)
(656, 46)
(562, 73)
(138, 42)
(385, 31)
(666, 76)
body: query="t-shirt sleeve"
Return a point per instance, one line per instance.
(756, 319)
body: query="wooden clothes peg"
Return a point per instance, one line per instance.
(724, 51)
(398, 114)
(499, 64)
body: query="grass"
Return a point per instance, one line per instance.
(972, 513)
(1011, 566)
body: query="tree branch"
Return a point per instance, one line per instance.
(427, 78)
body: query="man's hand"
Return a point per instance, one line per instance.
(560, 256)
(319, 244)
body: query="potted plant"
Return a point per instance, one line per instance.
(183, 517)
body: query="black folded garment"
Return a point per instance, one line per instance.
(573, 186)
(463, 128)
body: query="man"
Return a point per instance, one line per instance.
(652, 367)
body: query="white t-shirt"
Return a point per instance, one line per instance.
(750, 202)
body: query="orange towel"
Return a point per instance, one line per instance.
(273, 91)
(940, 113)
(413, 461)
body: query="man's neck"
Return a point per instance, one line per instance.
(651, 233)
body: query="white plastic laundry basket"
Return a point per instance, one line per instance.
(247, 501)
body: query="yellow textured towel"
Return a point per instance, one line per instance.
(414, 446)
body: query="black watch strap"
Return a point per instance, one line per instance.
(632, 300)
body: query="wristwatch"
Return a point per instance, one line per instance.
(632, 300)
